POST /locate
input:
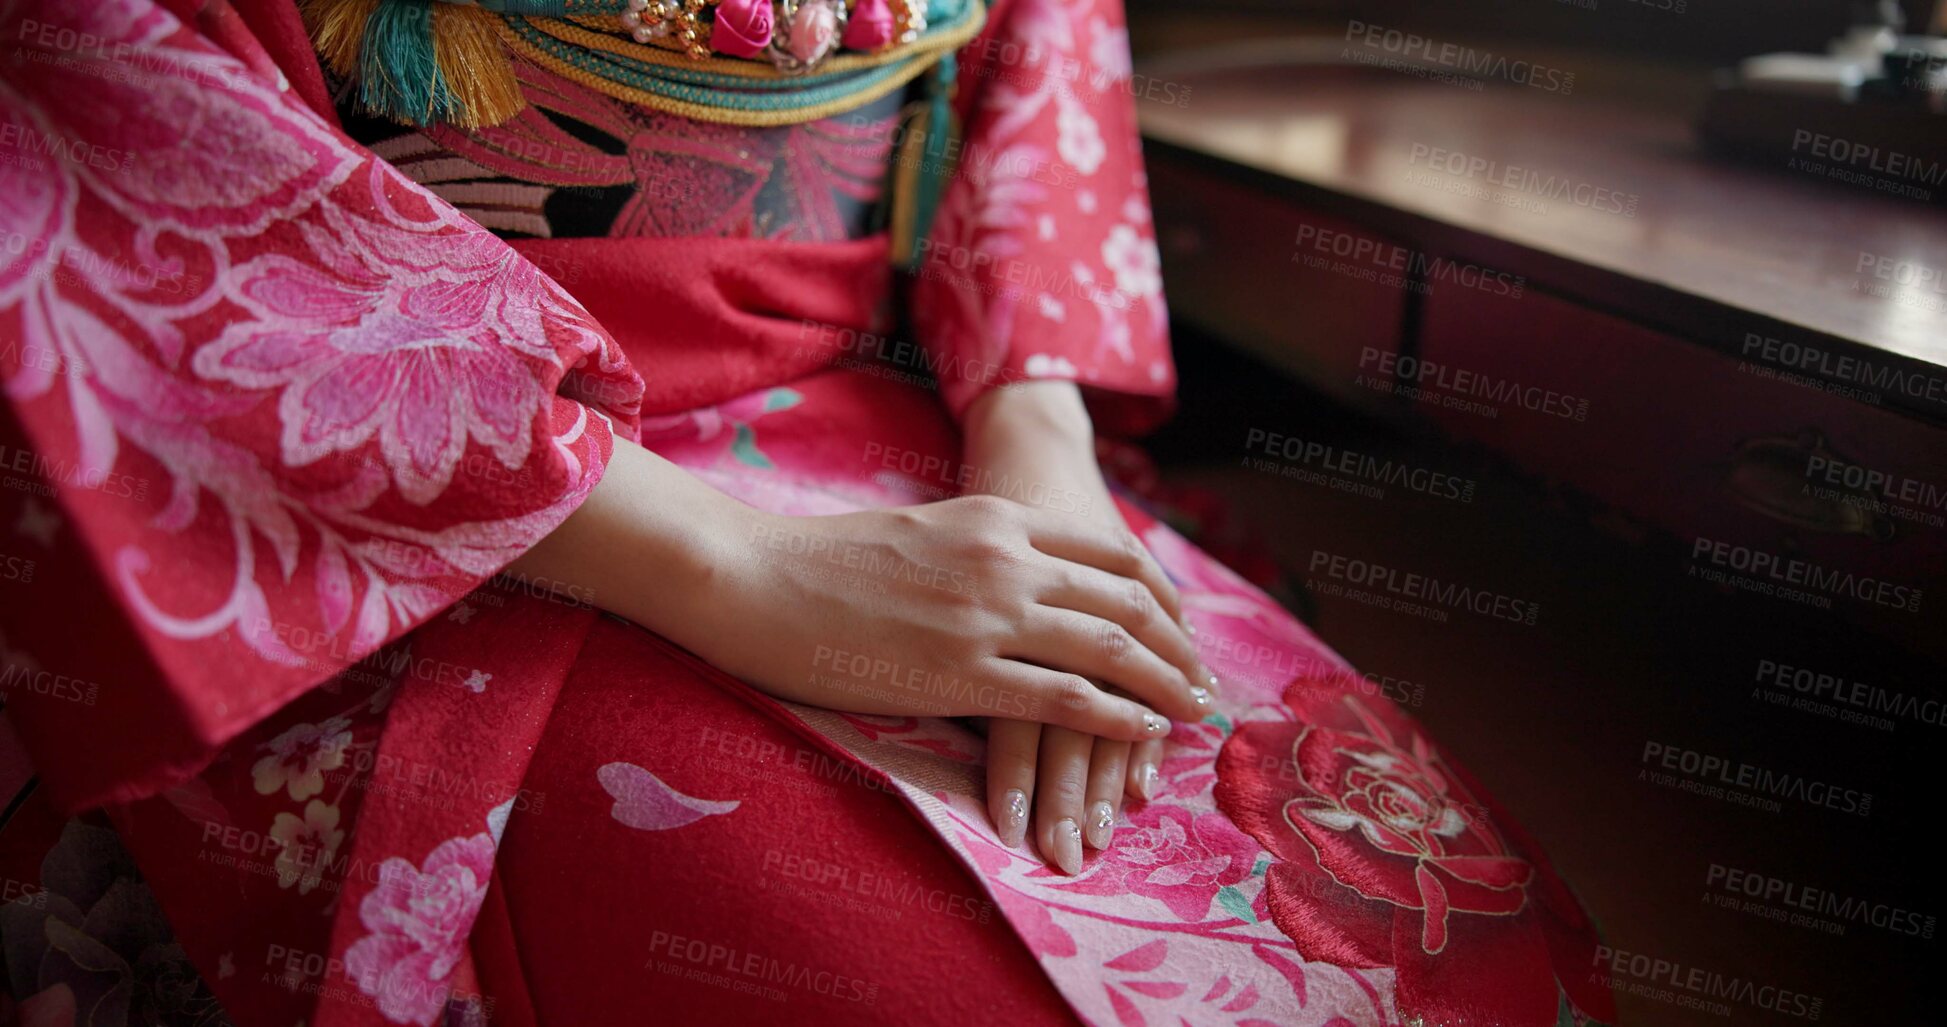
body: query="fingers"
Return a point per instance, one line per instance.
(1072, 701)
(1107, 773)
(1117, 551)
(1102, 649)
(1129, 602)
(1011, 752)
(1145, 769)
(1061, 785)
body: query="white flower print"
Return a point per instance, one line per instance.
(1080, 142)
(300, 756)
(1044, 365)
(306, 845)
(1108, 50)
(1133, 259)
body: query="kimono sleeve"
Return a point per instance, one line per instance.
(269, 404)
(1042, 260)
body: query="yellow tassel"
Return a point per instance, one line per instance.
(906, 172)
(477, 68)
(337, 29)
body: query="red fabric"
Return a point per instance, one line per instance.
(713, 319)
(822, 888)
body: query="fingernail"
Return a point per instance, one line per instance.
(1201, 695)
(1210, 681)
(1154, 725)
(1014, 818)
(1101, 825)
(1068, 847)
(1146, 781)
(1189, 628)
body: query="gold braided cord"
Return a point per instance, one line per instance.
(605, 33)
(940, 42)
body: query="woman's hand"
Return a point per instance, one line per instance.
(1034, 442)
(969, 607)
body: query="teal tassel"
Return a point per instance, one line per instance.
(398, 72)
(930, 184)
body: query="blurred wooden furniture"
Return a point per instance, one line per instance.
(1727, 353)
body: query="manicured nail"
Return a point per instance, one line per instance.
(1154, 725)
(1101, 825)
(1210, 681)
(1201, 695)
(1068, 847)
(1147, 781)
(1014, 818)
(1189, 628)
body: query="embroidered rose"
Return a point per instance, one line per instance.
(1383, 853)
(306, 845)
(742, 27)
(300, 757)
(419, 920)
(870, 26)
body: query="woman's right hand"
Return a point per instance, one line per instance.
(975, 606)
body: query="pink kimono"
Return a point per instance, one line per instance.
(281, 745)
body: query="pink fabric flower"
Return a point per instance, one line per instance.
(870, 26)
(419, 921)
(1178, 857)
(814, 28)
(742, 27)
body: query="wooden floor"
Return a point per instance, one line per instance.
(1627, 650)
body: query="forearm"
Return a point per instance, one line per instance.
(647, 544)
(1036, 439)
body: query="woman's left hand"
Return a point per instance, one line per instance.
(1033, 443)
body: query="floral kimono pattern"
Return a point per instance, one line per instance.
(279, 416)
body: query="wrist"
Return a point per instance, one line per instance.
(1042, 414)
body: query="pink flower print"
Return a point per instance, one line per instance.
(300, 757)
(419, 919)
(1179, 858)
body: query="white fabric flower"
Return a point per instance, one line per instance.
(1080, 143)
(1133, 259)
